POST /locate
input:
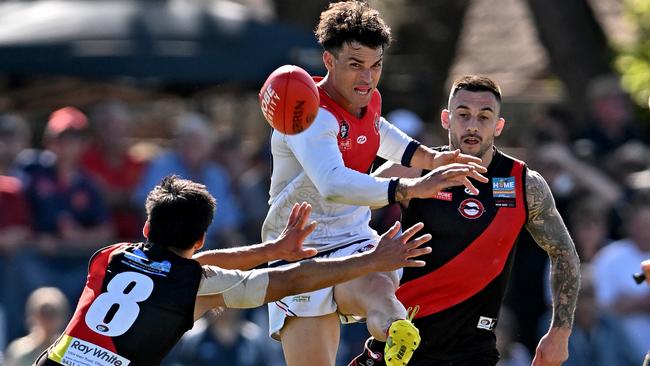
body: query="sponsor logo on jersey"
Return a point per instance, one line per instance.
(362, 140)
(444, 196)
(486, 323)
(471, 208)
(138, 260)
(76, 352)
(503, 190)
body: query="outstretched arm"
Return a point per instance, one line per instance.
(547, 228)
(287, 246)
(391, 253)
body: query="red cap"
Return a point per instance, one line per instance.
(66, 119)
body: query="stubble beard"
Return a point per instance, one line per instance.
(485, 145)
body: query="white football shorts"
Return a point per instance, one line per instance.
(315, 303)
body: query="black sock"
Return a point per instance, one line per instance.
(366, 359)
(376, 346)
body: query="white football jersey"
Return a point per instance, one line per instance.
(309, 167)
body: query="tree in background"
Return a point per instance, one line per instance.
(633, 62)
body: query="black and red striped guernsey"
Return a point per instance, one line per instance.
(461, 288)
(138, 301)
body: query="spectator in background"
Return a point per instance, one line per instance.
(68, 209)
(589, 227)
(610, 119)
(253, 188)
(568, 175)
(626, 161)
(14, 137)
(14, 213)
(615, 291)
(112, 168)
(547, 125)
(190, 159)
(69, 216)
(225, 338)
(598, 337)
(15, 220)
(47, 313)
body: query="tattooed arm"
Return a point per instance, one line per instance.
(547, 228)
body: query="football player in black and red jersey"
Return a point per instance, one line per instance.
(461, 288)
(140, 298)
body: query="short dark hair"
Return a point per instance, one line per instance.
(179, 212)
(475, 83)
(349, 21)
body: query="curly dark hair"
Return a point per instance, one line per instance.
(349, 21)
(179, 212)
(475, 83)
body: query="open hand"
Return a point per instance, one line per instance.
(395, 252)
(288, 245)
(446, 176)
(449, 157)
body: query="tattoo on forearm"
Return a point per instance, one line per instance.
(547, 228)
(400, 192)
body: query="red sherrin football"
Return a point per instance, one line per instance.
(289, 99)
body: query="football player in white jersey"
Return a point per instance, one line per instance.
(327, 165)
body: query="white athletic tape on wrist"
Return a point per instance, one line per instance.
(240, 289)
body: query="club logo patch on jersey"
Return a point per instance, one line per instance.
(344, 136)
(344, 130)
(362, 140)
(471, 208)
(486, 323)
(503, 190)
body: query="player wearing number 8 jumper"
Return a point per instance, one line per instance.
(145, 294)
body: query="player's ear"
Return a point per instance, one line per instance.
(146, 228)
(444, 118)
(328, 60)
(499, 127)
(199, 243)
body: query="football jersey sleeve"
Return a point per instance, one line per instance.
(394, 143)
(318, 153)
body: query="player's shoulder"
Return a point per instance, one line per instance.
(325, 120)
(110, 250)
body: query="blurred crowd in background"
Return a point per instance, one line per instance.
(78, 157)
(79, 184)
